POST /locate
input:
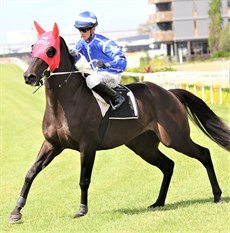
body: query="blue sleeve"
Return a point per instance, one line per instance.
(118, 60)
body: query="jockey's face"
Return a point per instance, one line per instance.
(85, 35)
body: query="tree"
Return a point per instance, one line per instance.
(144, 28)
(215, 25)
(225, 39)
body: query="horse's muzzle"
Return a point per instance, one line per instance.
(30, 79)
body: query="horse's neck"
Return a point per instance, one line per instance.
(64, 88)
(59, 83)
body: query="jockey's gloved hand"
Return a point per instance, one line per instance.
(73, 53)
(101, 64)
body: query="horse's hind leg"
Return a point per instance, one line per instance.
(45, 156)
(146, 146)
(202, 154)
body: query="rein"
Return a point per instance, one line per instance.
(41, 83)
(59, 73)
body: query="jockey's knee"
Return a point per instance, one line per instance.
(92, 81)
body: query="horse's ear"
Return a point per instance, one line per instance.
(55, 31)
(40, 30)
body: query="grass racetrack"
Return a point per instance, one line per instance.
(122, 184)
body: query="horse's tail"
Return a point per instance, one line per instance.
(204, 118)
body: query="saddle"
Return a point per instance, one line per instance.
(128, 110)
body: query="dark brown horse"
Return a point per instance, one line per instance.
(72, 120)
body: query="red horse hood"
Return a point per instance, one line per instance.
(46, 40)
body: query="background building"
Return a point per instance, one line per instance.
(183, 25)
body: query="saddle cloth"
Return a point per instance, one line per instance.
(128, 110)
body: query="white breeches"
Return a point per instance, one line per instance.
(112, 80)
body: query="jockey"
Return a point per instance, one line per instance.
(103, 55)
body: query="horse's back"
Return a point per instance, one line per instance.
(156, 96)
(166, 114)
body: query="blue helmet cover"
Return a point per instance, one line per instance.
(86, 20)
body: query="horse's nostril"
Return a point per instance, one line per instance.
(30, 79)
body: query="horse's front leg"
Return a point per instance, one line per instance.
(87, 161)
(45, 156)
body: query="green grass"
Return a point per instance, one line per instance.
(122, 184)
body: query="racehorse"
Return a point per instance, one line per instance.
(72, 120)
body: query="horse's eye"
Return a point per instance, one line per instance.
(50, 52)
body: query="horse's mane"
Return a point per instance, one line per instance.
(66, 48)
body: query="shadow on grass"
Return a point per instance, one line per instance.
(173, 206)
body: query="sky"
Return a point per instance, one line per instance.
(112, 15)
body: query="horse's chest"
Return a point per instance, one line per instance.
(58, 133)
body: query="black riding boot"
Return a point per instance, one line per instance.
(116, 97)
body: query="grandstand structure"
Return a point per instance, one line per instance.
(27, 37)
(178, 34)
(183, 25)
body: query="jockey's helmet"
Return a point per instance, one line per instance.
(86, 20)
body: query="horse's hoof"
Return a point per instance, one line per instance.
(219, 202)
(82, 211)
(217, 199)
(15, 218)
(156, 205)
(79, 215)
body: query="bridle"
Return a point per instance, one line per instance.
(44, 76)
